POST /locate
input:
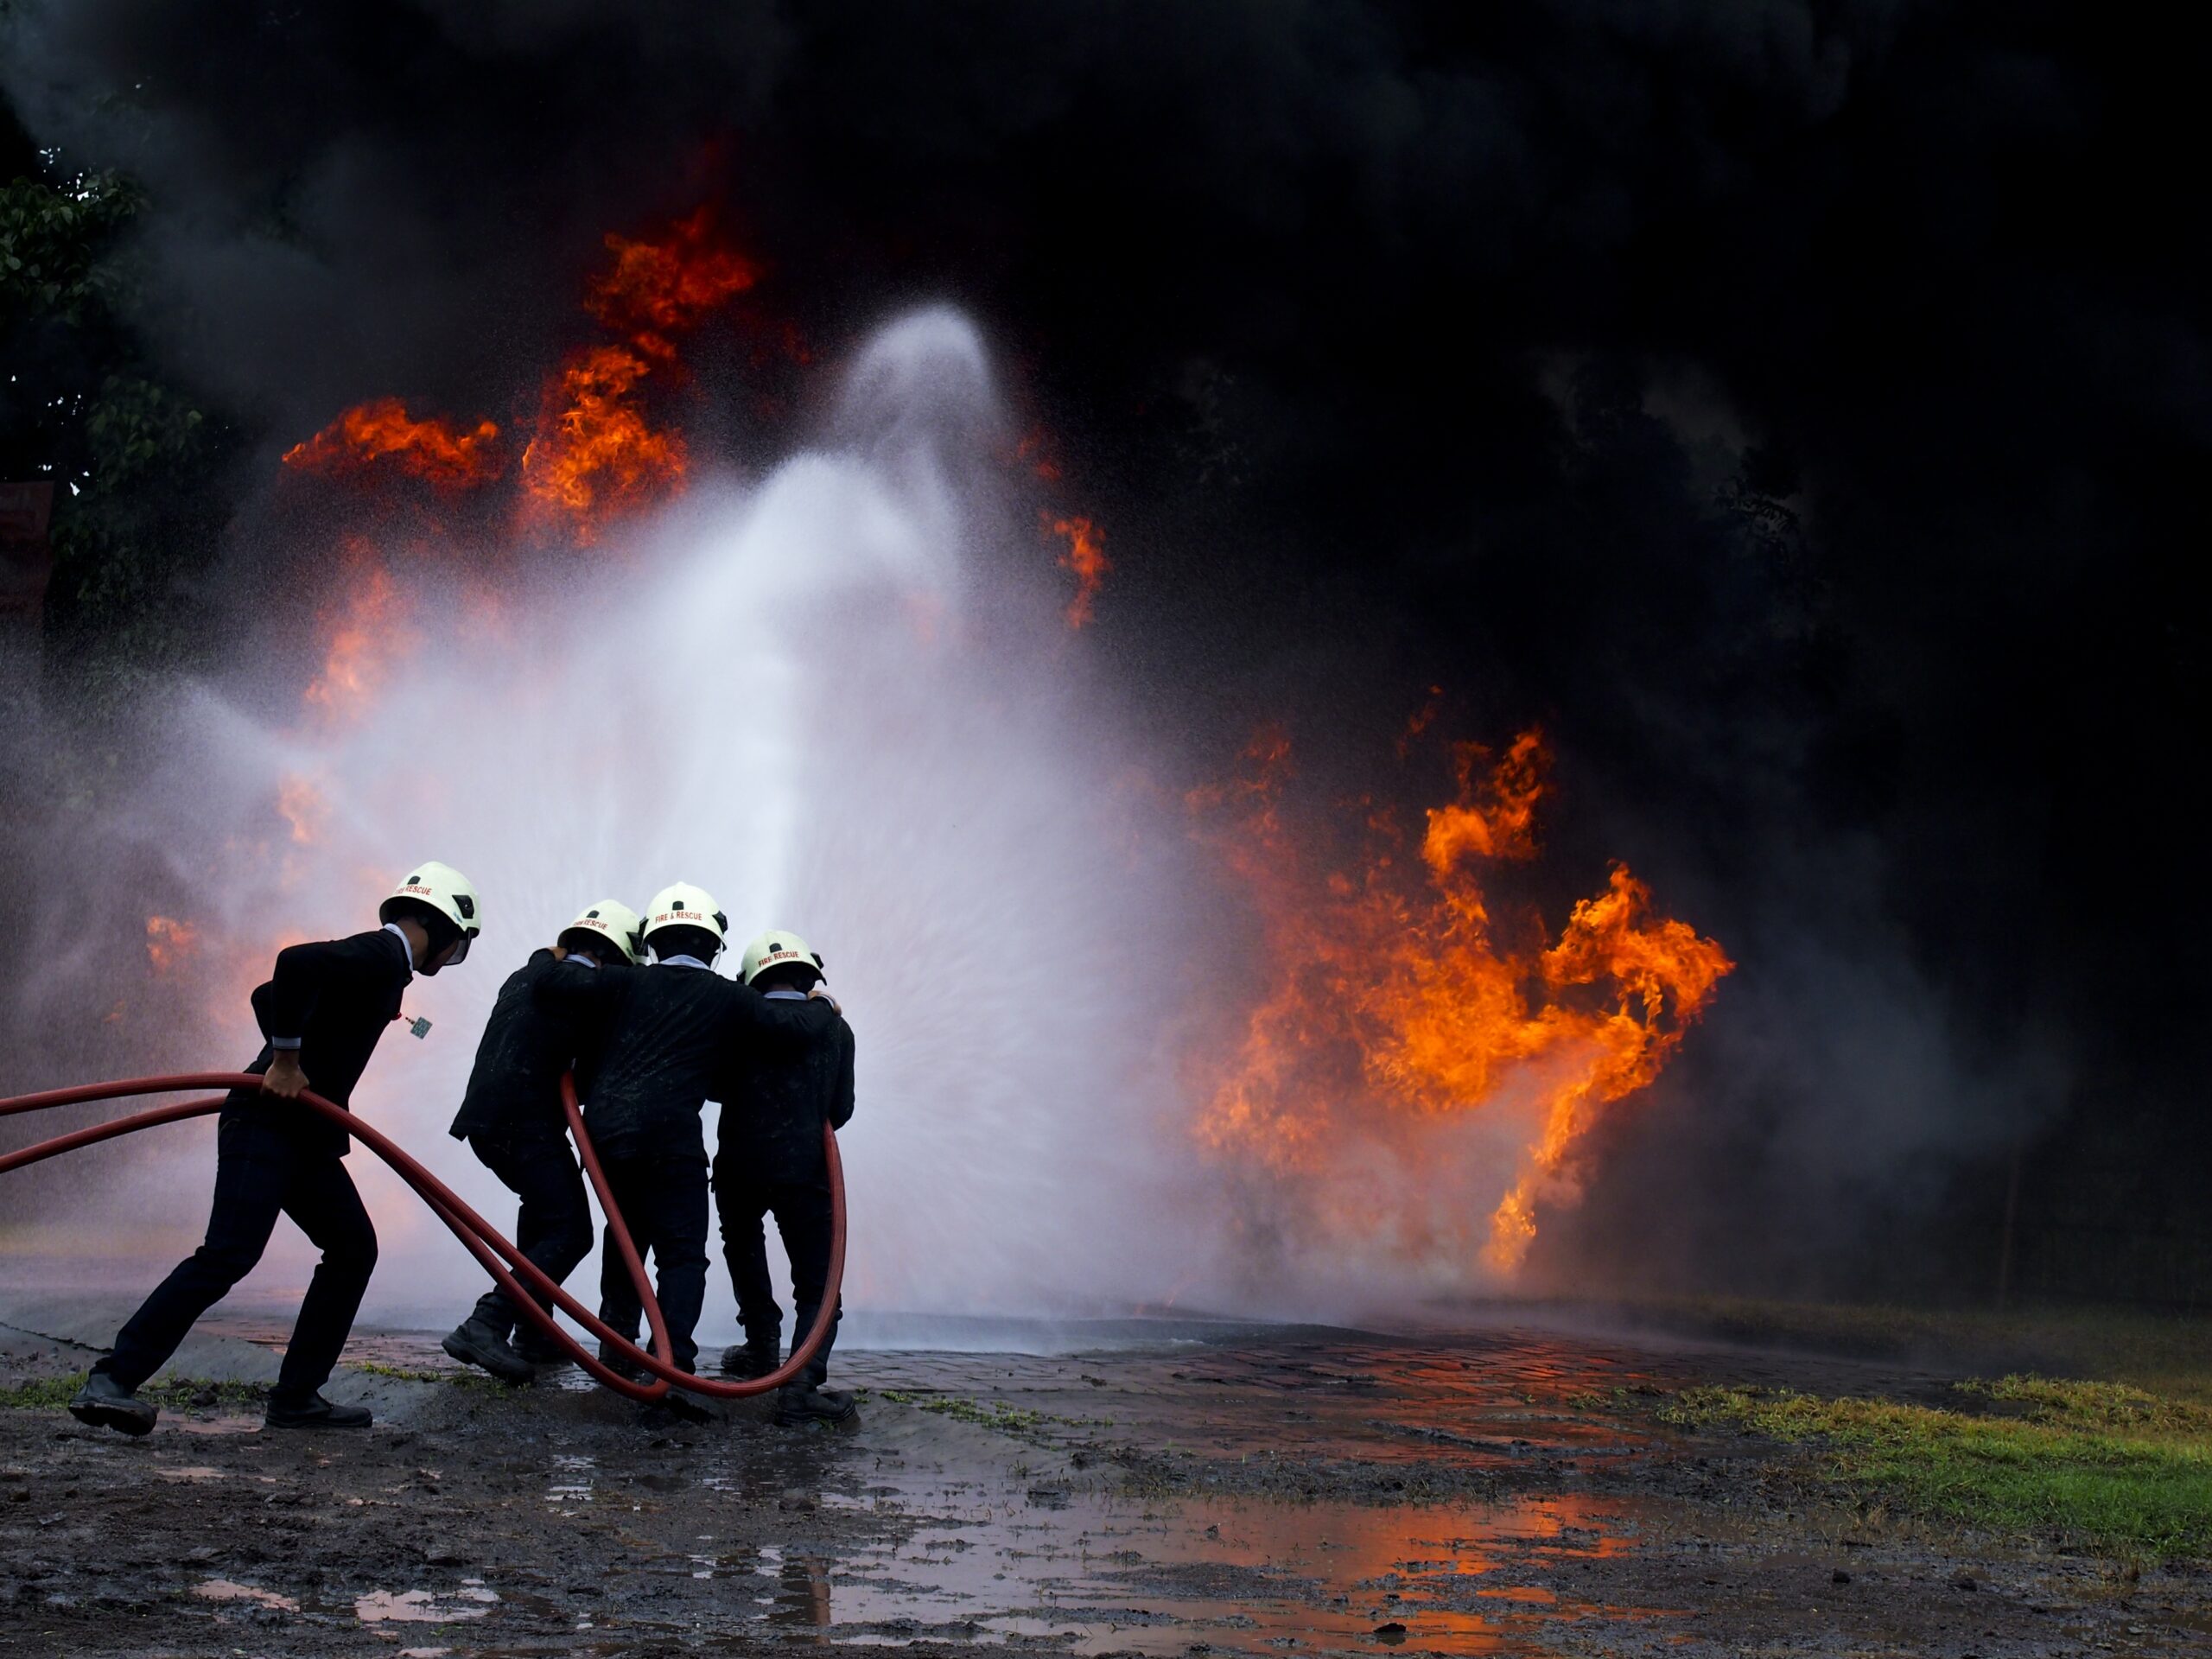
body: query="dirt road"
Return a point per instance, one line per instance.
(1222, 1490)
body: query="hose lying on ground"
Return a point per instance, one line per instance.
(510, 1268)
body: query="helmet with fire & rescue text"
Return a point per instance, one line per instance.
(692, 910)
(608, 920)
(441, 898)
(781, 948)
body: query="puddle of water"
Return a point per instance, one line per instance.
(572, 1483)
(1099, 1575)
(228, 1590)
(472, 1600)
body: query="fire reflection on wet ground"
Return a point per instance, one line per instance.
(1096, 1576)
(1317, 1491)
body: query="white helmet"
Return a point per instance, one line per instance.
(614, 920)
(686, 905)
(444, 889)
(773, 949)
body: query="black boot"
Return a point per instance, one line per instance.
(616, 1361)
(692, 1407)
(475, 1343)
(750, 1358)
(539, 1349)
(677, 1408)
(316, 1412)
(105, 1403)
(800, 1403)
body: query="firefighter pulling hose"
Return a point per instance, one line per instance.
(334, 999)
(285, 1131)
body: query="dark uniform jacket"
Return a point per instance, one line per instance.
(774, 1103)
(669, 1033)
(338, 997)
(514, 1090)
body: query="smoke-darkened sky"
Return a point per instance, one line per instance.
(1801, 409)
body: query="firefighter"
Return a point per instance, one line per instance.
(669, 1031)
(512, 1119)
(769, 1160)
(321, 1013)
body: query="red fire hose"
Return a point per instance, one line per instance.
(496, 1253)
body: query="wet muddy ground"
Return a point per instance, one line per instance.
(1182, 1490)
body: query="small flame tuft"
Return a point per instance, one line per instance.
(300, 803)
(658, 290)
(1493, 818)
(1086, 558)
(380, 436)
(368, 630)
(169, 942)
(595, 454)
(1036, 453)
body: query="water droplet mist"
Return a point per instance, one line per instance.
(841, 698)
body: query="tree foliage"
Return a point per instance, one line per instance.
(134, 455)
(51, 243)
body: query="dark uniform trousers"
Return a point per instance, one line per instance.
(264, 1170)
(803, 1221)
(662, 1198)
(554, 1229)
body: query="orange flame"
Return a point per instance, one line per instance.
(595, 454)
(168, 942)
(1038, 453)
(1086, 557)
(1506, 826)
(1419, 721)
(1390, 1003)
(594, 451)
(382, 431)
(368, 631)
(664, 287)
(300, 803)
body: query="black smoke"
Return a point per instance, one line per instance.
(1796, 408)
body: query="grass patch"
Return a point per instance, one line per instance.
(406, 1374)
(203, 1393)
(2104, 1465)
(1013, 1419)
(453, 1379)
(175, 1393)
(1010, 1420)
(2165, 1353)
(41, 1393)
